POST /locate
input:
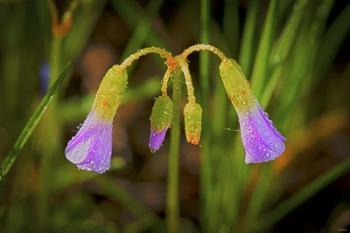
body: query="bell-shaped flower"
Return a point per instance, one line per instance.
(91, 148)
(161, 119)
(261, 140)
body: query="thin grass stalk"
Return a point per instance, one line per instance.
(142, 29)
(332, 41)
(283, 48)
(231, 26)
(127, 11)
(260, 71)
(205, 167)
(223, 191)
(248, 39)
(50, 146)
(301, 196)
(261, 64)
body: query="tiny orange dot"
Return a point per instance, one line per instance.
(105, 103)
(172, 63)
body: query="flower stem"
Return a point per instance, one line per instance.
(142, 52)
(188, 80)
(172, 210)
(204, 47)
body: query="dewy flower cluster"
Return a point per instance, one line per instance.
(91, 148)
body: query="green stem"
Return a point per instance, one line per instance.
(173, 161)
(49, 147)
(205, 169)
(55, 62)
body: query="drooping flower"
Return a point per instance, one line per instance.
(91, 148)
(261, 140)
(193, 122)
(161, 119)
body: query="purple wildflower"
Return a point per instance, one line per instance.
(91, 148)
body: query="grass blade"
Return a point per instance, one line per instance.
(11, 157)
(205, 169)
(142, 29)
(261, 63)
(301, 196)
(248, 39)
(331, 43)
(282, 49)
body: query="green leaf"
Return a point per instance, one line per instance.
(28, 129)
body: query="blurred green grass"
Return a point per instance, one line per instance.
(289, 50)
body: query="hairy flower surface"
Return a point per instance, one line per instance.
(261, 140)
(91, 148)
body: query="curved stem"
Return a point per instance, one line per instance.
(165, 81)
(142, 52)
(188, 80)
(203, 47)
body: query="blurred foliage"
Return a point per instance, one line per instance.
(296, 54)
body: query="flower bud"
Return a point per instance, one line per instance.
(161, 119)
(193, 122)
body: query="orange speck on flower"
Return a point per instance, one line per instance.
(105, 103)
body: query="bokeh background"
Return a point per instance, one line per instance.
(296, 54)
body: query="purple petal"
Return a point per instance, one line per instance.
(91, 148)
(156, 139)
(261, 140)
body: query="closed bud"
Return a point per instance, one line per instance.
(161, 119)
(193, 122)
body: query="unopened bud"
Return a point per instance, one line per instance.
(161, 119)
(193, 122)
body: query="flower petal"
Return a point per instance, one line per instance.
(156, 139)
(261, 140)
(91, 148)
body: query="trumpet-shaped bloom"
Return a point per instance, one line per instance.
(91, 148)
(262, 142)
